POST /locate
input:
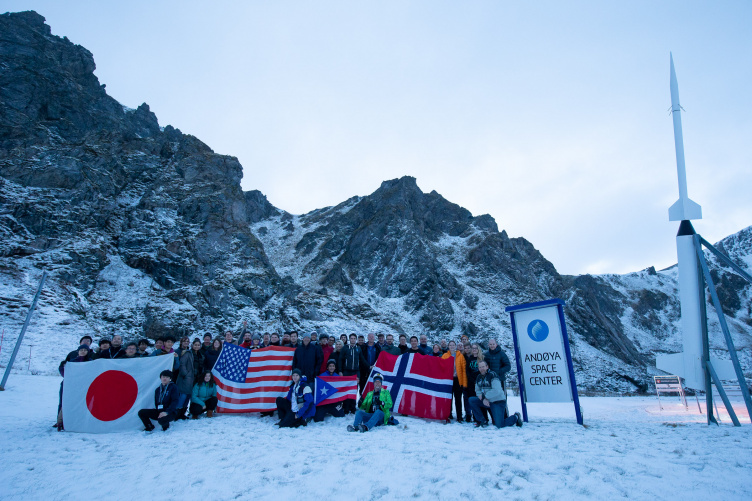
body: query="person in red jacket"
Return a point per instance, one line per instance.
(326, 350)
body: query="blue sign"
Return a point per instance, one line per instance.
(537, 330)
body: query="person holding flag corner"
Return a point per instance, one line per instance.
(165, 403)
(374, 409)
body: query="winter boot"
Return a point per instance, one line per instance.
(351, 428)
(363, 428)
(209, 413)
(519, 418)
(181, 414)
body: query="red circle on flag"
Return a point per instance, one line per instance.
(111, 395)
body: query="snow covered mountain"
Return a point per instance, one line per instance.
(146, 231)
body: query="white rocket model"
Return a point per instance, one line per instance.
(689, 363)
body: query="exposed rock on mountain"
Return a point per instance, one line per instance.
(146, 231)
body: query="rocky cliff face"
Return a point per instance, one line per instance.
(145, 231)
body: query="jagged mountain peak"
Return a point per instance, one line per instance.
(146, 231)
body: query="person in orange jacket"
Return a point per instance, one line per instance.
(459, 372)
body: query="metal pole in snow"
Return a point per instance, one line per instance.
(28, 367)
(23, 331)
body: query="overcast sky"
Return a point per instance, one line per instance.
(550, 116)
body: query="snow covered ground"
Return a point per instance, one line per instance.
(629, 449)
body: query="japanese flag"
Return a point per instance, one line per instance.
(104, 396)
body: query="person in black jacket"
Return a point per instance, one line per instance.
(371, 351)
(104, 350)
(117, 350)
(414, 348)
(403, 343)
(472, 357)
(165, 404)
(350, 360)
(81, 355)
(131, 351)
(308, 358)
(143, 344)
(212, 354)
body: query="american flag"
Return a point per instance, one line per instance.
(420, 385)
(331, 389)
(251, 380)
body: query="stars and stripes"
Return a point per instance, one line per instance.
(332, 389)
(251, 380)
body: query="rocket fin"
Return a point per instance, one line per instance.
(684, 209)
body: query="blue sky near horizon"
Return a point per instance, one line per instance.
(550, 116)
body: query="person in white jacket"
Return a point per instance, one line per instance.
(490, 395)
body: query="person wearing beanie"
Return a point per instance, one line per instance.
(374, 409)
(255, 342)
(308, 358)
(336, 409)
(165, 404)
(297, 408)
(82, 355)
(314, 337)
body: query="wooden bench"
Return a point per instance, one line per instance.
(672, 384)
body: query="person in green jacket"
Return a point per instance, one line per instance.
(374, 409)
(204, 396)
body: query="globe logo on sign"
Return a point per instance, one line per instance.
(537, 330)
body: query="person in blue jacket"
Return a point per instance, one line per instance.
(297, 408)
(204, 396)
(165, 404)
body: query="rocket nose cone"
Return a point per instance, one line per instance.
(674, 86)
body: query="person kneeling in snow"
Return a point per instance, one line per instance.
(336, 409)
(165, 403)
(491, 396)
(297, 408)
(374, 409)
(204, 396)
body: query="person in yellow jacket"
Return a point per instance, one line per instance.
(460, 377)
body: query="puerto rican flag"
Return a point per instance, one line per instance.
(333, 389)
(420, 385)
(251, 380)
(104, 396)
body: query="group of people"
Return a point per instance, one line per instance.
(188, 389)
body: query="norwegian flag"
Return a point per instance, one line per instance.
(420, 385)
(251, 380)
(332, 389)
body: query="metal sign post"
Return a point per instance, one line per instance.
(23, 331)
(544, 362)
